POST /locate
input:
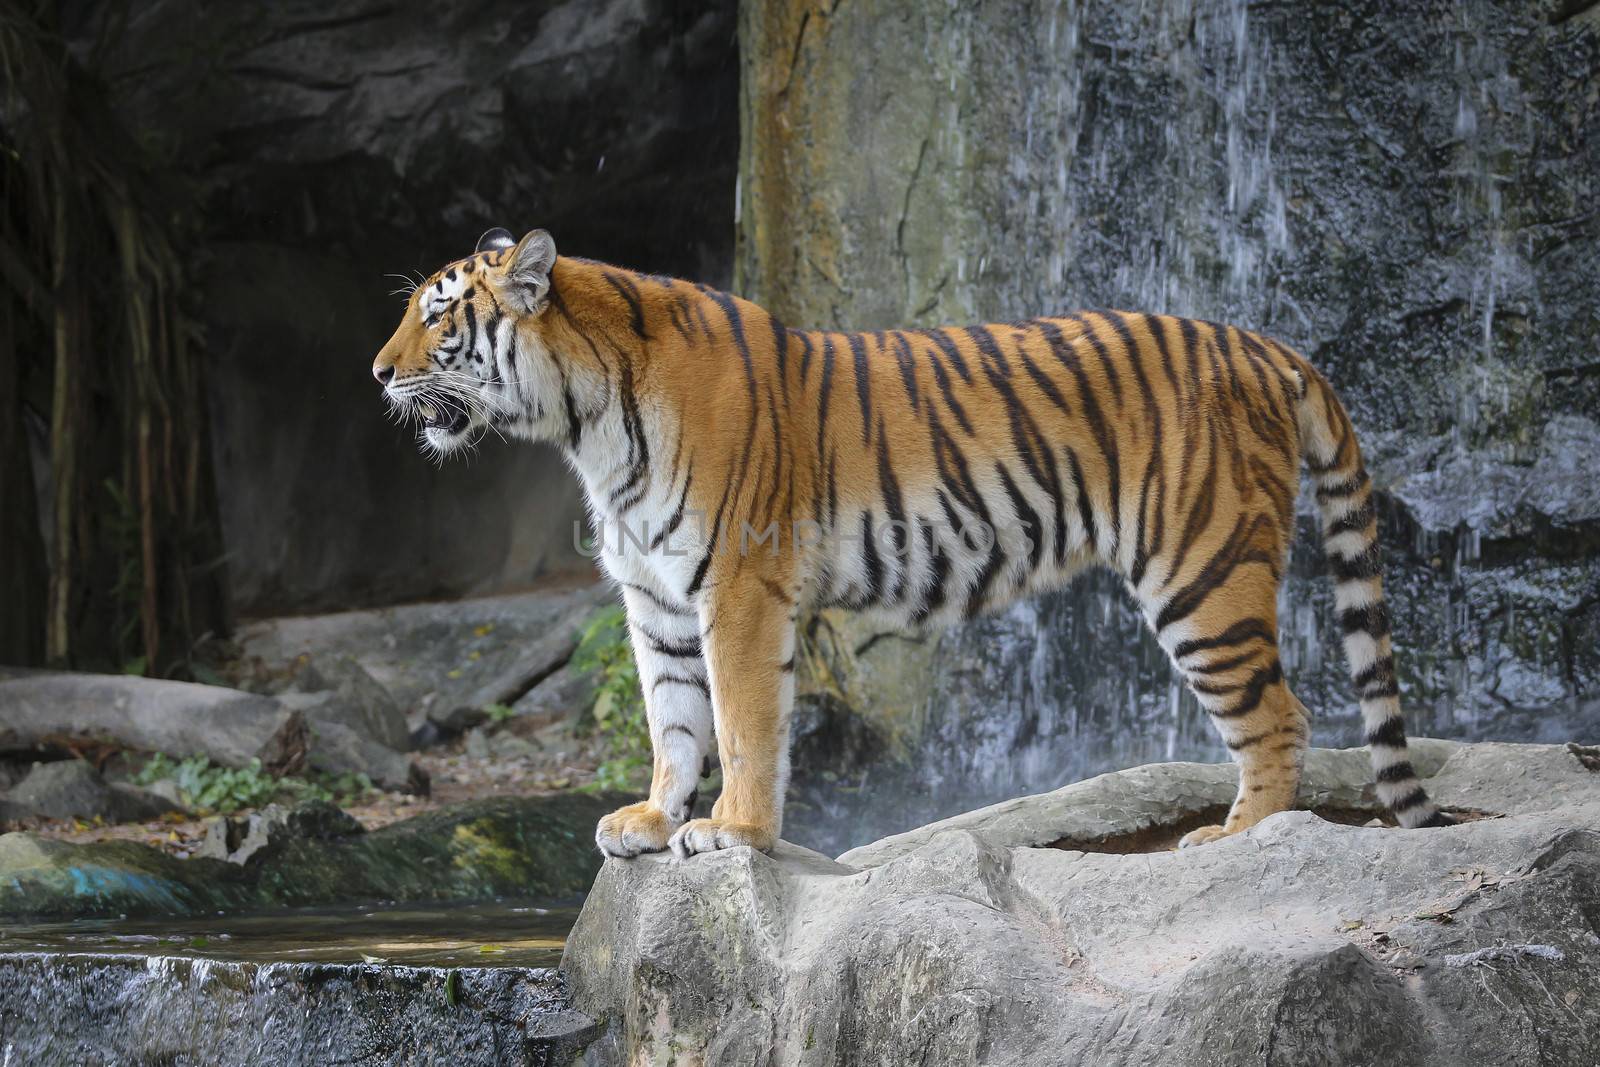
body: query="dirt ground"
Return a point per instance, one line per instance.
(559, 760)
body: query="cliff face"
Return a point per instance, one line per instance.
(1402, 191)
(332, 144)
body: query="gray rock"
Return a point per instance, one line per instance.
(477, 744)
(445, 723)
(254, 836)
(181, 718)
(563, 692)
(337, 749)
(533, 663)
(450, 651)
(354, 698)
(70, 789)
(65, 1009)
(1300, 941)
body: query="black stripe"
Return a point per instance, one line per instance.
(984, 341)
(1235, 552)
(1201, 509)
(658, 603)
(1085, 509)
(1143, 549)
(1221, 665)
(780, 345)
(1380, 668)
(894, 503)
(1237, 634)
(1367, 565)
(1065, 353)
(1397, 772)
(1042, 382)
(1027, 518)
(827, 392)
(908, 366)
(1157, 334)
(870, 561)
(1120, 325)
(1112, 378)
(1436, 820)
(689, 649)
(675, 679)
(1414, 799)
(677, 514)
(1350, 487)
(1391, 733)
(630, 295)
(1254, 689)
(858, 349)
(951, 353)
(1372, 620)
(942, 379)
(704, 565)
(1355, 521)
(736, 324)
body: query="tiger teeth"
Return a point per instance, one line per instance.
(429, 412)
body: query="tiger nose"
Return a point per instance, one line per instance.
(383, 374)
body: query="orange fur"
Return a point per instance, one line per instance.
(1167, 449)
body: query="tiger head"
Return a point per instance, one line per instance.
(470, 354)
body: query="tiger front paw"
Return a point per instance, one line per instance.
(1204, 836)
(637, 828)
(711, 835)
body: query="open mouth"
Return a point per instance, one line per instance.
(443, 414)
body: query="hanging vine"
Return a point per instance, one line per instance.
(101, 356)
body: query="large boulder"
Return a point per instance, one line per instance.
(437, 657)
(1405, 197)
(41, 710)
(45, 711)
(1063, 929)
(338, 689)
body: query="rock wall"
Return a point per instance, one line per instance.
(1403, 191)
(332, 144)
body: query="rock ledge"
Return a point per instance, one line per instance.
(1301, 941)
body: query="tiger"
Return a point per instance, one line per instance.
(739, 473)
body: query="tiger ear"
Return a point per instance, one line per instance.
(494, 240)
(528, 266)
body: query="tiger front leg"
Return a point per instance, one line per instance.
(749, 636)
(672, 674)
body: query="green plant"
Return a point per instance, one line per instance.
(208, 787)
(499, 713)
(605, 654)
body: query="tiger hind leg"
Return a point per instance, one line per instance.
(1230, 662)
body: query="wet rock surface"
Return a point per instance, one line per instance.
(1401, 196)
(506, 846)
(76, 1009)
(1300, 941)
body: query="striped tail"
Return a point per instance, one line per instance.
(1350, 541)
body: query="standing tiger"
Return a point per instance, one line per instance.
(739, 472)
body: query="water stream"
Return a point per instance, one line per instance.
(505, 933)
